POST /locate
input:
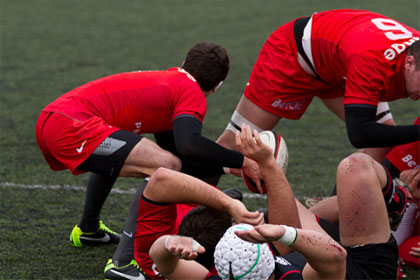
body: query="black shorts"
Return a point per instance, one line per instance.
(110, 155)
(373, 261)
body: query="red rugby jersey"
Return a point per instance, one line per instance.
(364, 50)
(140, 102)
(406, 156)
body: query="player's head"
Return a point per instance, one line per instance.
(206, 226)
(239, 259)
(412, 71)
(208, 63)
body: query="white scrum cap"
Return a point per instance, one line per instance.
(247, 260)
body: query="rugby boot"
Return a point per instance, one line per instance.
(131, 271)
(103, 235)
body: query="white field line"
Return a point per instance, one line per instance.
(114, 190)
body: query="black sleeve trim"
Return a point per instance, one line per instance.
(364, 132)
(190, 144)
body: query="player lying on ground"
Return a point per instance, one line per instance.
(367, 248)
(402, 162)
(352, 60)
(167, 198)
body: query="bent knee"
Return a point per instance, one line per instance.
(355, 163)
(173, 163)
(160, 174)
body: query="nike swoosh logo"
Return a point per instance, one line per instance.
(104, 239)
(131, 277)
(129, 235)
(79, 150)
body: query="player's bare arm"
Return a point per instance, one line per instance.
(174, 187)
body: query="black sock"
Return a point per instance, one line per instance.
(395, 196)
(389, 188)
(125, 249)
(98, 188)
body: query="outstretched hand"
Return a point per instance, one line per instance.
(262, 233)
(183, 247)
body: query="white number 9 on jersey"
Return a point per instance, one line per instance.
(390, 25)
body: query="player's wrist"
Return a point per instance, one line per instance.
(289, 237)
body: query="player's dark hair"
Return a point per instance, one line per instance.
(208, 63)
(206, 225)
(414, 50)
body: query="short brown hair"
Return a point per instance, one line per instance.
(208, 63)
(206, 225)
(414, 50)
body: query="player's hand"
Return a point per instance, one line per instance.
(236, 172)
(183, 247)
(415, 251)
(240, 214)
(251, 145)
(251, 169)
(262, 233)
(412, 178)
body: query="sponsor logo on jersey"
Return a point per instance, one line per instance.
(408, 159)
(292, 106)
(281, 260)
(396, 49)
(138, 127)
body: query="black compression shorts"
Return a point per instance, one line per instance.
(373, 261)
(110, 155)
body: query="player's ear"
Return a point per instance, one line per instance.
(410, 62)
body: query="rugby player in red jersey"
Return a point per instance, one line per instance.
(98, 128)
(367, 249)
(353, 60)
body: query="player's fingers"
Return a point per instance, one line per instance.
(261, 220)
(249, 137)
(257, 137)
(238, 139)
(257, 220)
(253, 218)
(246, 235)
(259, 187)
(416, 179)
(415, 251)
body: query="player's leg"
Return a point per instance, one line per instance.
(362, 185)
(123, 263)
(327, 209)
(104, 163)
(362, 211)
(251, 114)
(97, 190)
(146, 157)
(335, 105)
(122, 153)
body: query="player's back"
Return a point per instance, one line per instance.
(338, 36)
(141, 102)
